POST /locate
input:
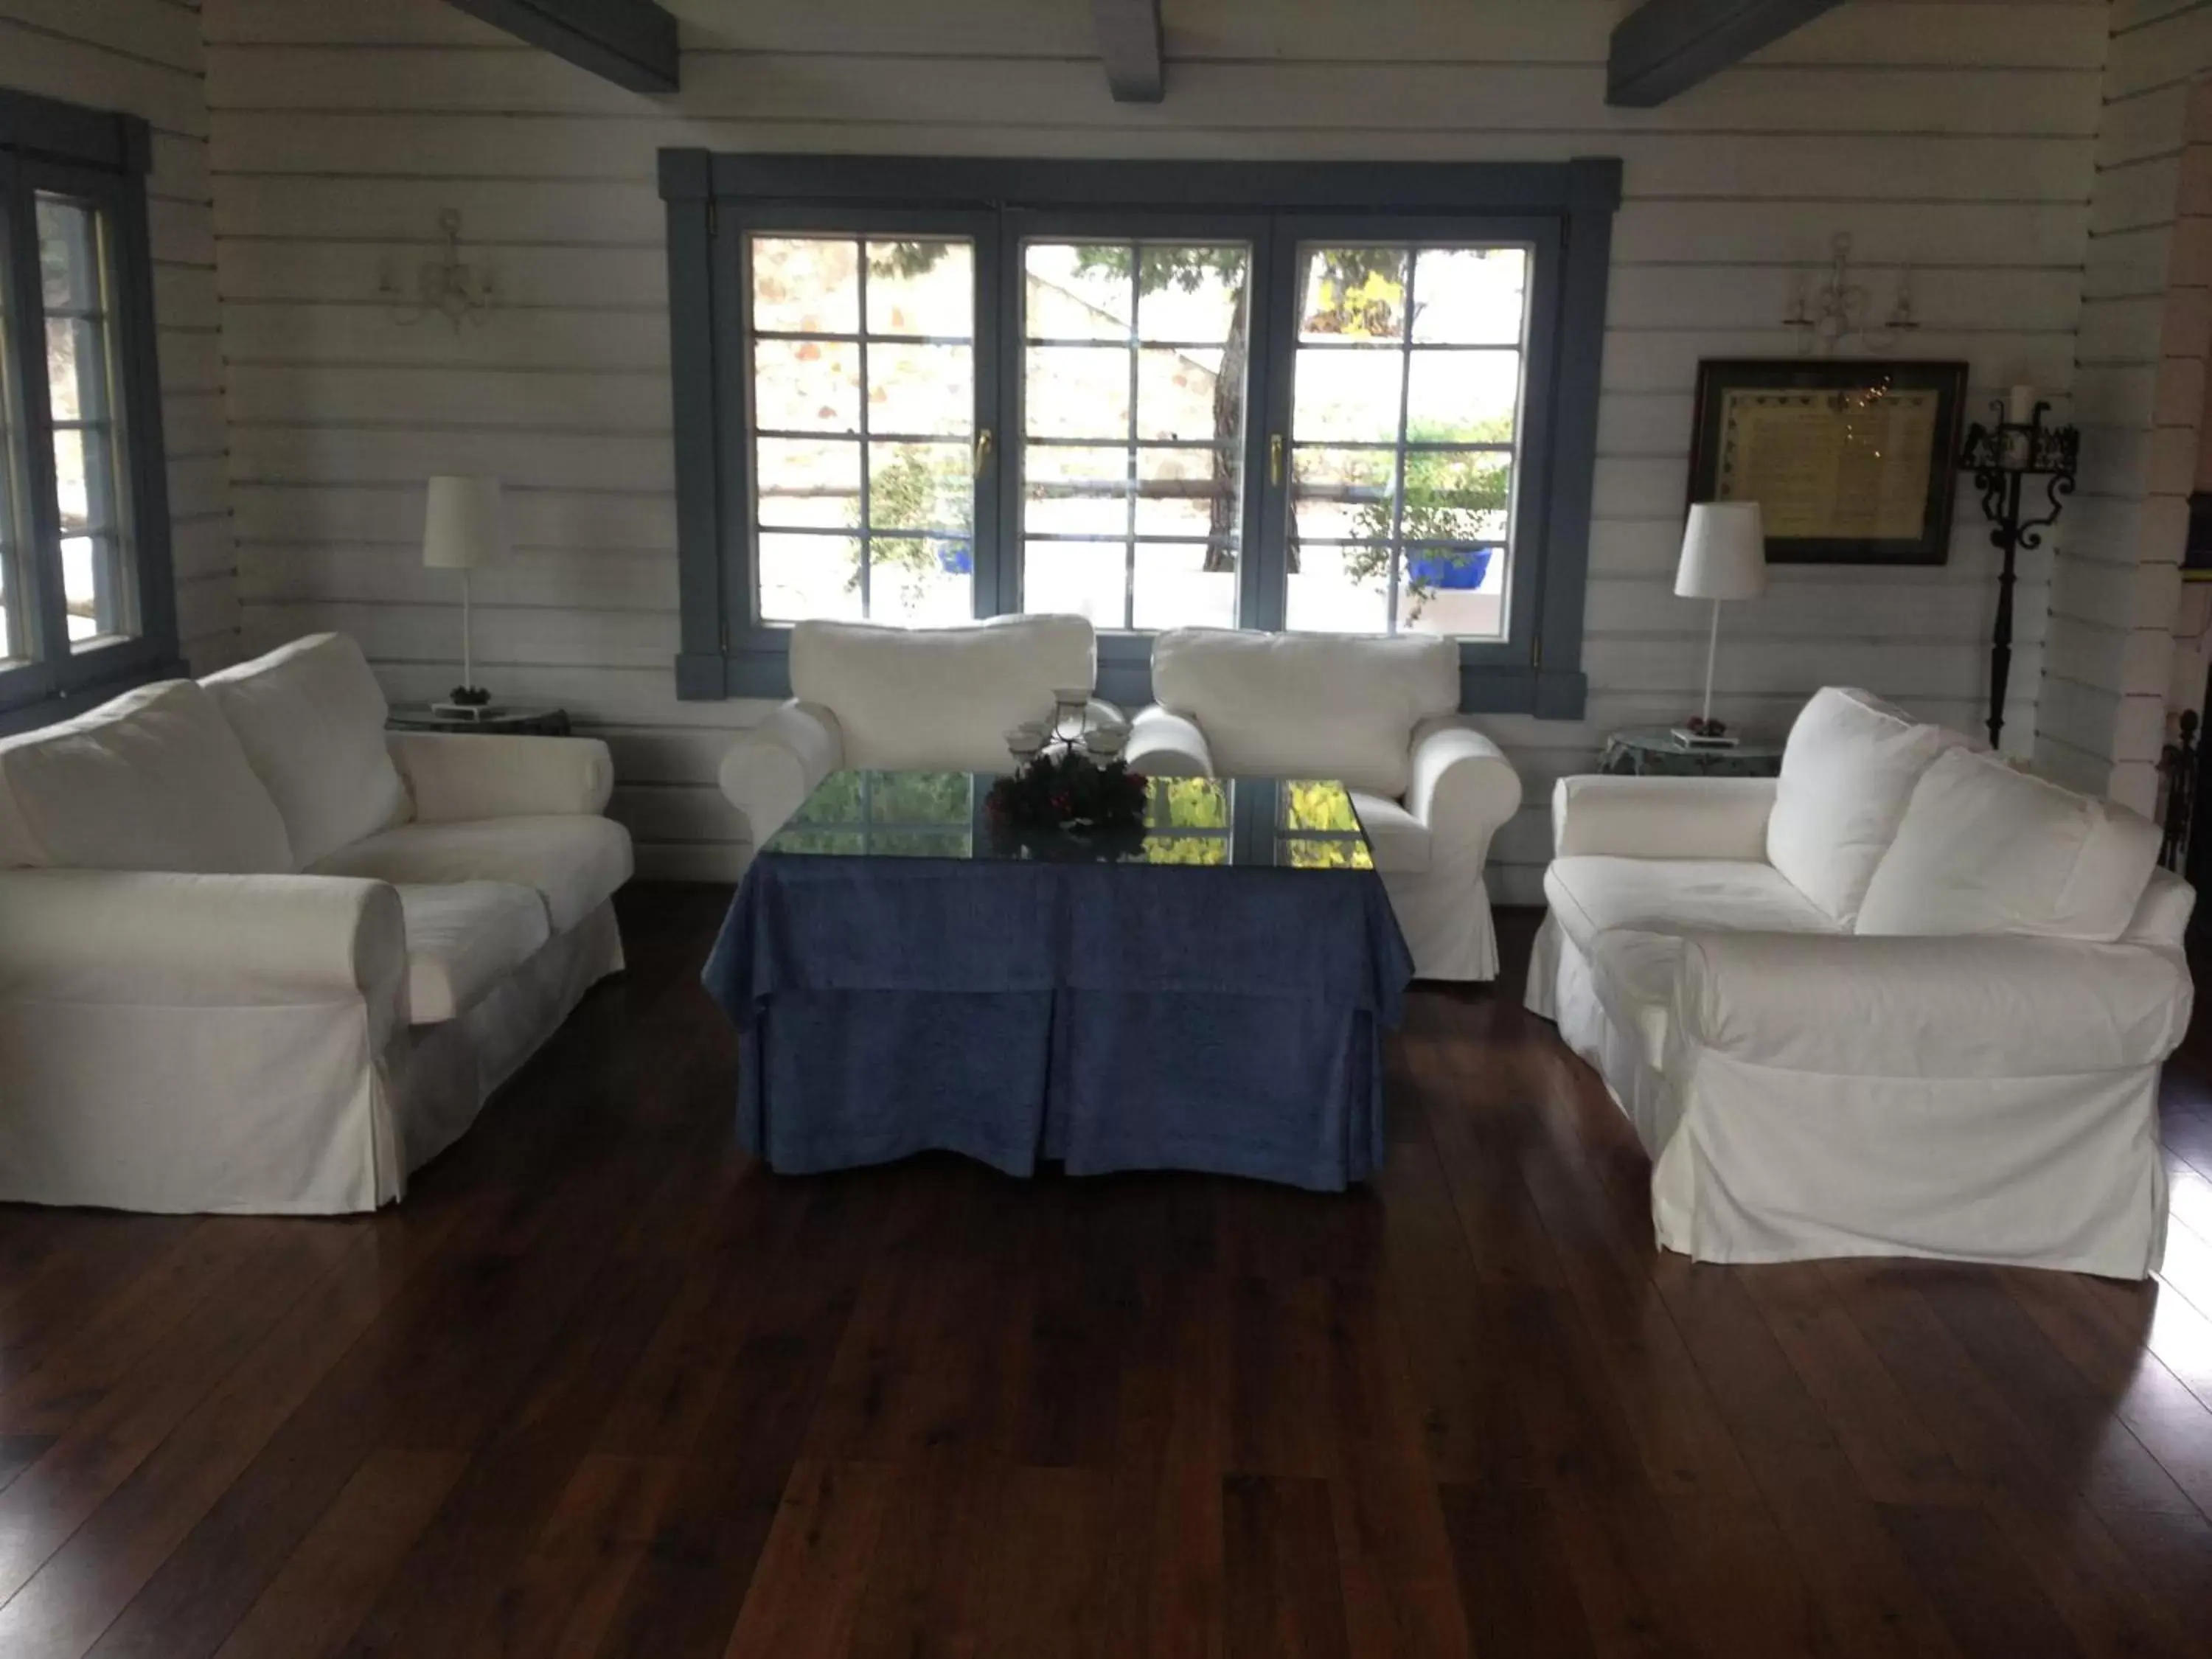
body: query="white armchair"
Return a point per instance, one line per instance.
(1377, 714)
(868, 695)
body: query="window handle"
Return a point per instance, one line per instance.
(983, 450)
(1275, 457)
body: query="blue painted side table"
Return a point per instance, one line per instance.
(1647, 752)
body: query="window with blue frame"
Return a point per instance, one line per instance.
(86, 603)
(1337, 399)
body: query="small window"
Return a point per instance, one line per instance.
(85, 604)
(1405, 415)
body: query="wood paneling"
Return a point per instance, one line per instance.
(1959, 140)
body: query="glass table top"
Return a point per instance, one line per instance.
(1297, 824)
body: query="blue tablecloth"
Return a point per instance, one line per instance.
(1116, 1016)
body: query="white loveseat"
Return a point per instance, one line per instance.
(1377, 713)
(1905, 1000)
(867, 695)
(256, 956)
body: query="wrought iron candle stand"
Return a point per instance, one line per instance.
(2005, 457)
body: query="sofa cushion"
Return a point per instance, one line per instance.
(1596, 894)
(154, 780)
(1985, 849)
(463, 937)
(1847, 771)
(1399, 841)
(310, 717)
(1308, 705)
(939, 697)
(574, 862)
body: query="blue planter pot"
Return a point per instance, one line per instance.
(957, 558)
(1462, 569)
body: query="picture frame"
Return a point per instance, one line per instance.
(1852, 462)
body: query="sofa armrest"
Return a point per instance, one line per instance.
(134, 937)
(1463, 788)
(455, 776)
(1662, 818)
(1985, 1005)
(775, 766)
(1166, 745)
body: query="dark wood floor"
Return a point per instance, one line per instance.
(603, 1387)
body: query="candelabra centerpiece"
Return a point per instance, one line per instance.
(2006, 456)
(1069, 774)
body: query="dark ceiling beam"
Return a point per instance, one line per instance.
(1129, 42)
(631, 43)
(1667, 46)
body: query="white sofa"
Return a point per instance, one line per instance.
(257, 956)
(867, 695)
(1903, 1000)
(1379, 714)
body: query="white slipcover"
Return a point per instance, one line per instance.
(1807, 1089)
(1374, 712)
(867, 695)
(310, 717)
(154, 781)
(259, 1041)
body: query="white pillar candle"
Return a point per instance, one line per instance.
(2020, 407)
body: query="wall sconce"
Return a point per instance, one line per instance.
(1839, 309)
(443, 287)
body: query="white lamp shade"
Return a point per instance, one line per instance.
(463, 524)
(1723, 552)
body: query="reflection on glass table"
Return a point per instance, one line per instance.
(1298, 825)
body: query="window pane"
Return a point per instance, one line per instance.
(1085, 579)
(98, 576)
(1070, 491)
(1401, 518)
(1171, 319)
(806, 386)
(1076, 391)
(828, 375)
(1354, 293)
(1077, 292)
(1340, 589)
(1470, 295)
(1463, 397)
(1182, 586)
(15, 614)
(921, 390)
(803, 576)
(806, 285)
(922, 287)
(809, 482)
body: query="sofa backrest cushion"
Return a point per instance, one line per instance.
(1340, 706)
(1847, 772)
(939, 696)
(1985, 849)
(310, 716)
(154, 780)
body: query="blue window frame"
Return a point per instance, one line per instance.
(1161, 394)
(86, 600)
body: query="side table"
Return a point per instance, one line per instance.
(509, 722)
(1652, 751)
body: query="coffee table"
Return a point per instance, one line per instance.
(1210, 995)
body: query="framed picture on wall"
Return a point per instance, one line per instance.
(1852, 463)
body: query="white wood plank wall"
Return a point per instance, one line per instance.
(145, 56)
(2146, 326)
(1960, 139)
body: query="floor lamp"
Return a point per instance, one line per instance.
(464, 526)
(1723, 557)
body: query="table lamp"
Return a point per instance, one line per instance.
(1723, 557)
(464, 526)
